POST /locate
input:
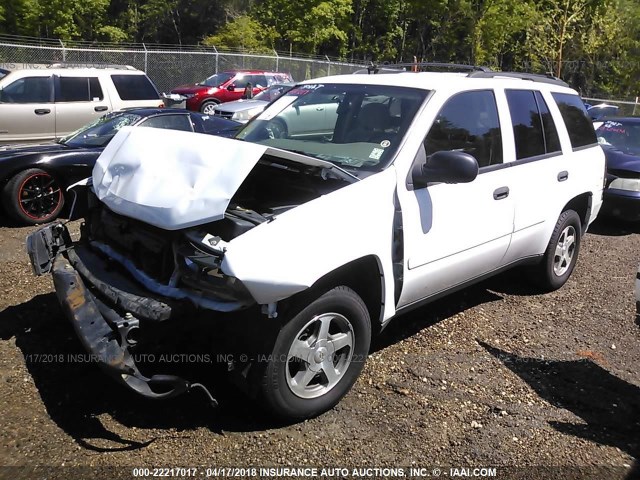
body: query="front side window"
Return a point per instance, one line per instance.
(576, 119)
(468, 122)
(27, 90)
(135, 87)
(171, 122)
(354, 126)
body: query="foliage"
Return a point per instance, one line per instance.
(246, 33)
(593, 44)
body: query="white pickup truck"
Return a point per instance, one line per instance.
(297, 247)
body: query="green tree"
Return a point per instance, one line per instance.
(245, 33)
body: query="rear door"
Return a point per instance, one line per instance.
(27, 111)
(79, 101)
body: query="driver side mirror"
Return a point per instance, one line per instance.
(448, 166)
(231, 87)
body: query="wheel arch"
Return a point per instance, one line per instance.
(365, 276)
(581, 204)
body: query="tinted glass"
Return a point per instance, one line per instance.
(551, 139)
(95, 90)
(272, 93)
(526, 122)
(576, 119)
(468, 122)
(135, 87)
(73, 89)
(172, 122)
(27, 90)
(257, 80)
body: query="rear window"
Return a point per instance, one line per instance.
(135, 87)
(576, 119)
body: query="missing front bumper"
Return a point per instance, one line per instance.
(107, 336)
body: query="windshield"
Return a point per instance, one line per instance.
(217, 79)
(624, 136)
(100, 132)
(272, 93)
(354, 126)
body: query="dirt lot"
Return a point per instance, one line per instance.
(497, 375)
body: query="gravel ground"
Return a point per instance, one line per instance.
(496, 375)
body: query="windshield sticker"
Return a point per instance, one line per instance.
(376, 153)
(385, 143)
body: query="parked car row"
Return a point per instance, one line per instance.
(33, 178)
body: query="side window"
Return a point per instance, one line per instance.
(28, 90)
(576, 119)
(468, 122)
(551, 138)
(258, 80)
(73, 89)
(533, 128)
(95, 90)
(135, 87)
(171, 122)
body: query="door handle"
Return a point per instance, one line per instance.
(500, 193)
(101, 108)
(319, 109)
(562, 176)
(42, 111)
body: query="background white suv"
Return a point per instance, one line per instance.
(413, 185)
(43, 104)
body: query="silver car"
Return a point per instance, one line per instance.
(244, 110)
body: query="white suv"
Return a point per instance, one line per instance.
(294, 248)
(47, 103)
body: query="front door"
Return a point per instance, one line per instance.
(457, 232)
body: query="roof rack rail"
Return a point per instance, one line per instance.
(89, 65)
(533, 77)
(421, 67)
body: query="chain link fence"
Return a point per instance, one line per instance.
(167, 66)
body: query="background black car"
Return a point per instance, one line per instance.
(620, 140)
(33, 178)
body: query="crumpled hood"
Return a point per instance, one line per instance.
(172, 179)
(175, 180)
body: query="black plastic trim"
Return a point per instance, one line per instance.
(418, 303)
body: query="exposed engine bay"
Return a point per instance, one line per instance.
(166, 261)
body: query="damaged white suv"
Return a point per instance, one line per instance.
(297, 240)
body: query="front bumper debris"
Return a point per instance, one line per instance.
(105, 334)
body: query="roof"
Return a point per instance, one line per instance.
(448, 80)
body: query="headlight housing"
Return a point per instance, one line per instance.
(246, 115)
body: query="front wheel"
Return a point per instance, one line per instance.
(209, 107)
(562, 252)
(317, 356)
(33, 196)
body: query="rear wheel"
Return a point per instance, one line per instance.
(33, 196)
(317, 356)
(562, 252)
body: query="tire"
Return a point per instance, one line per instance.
(33, 196)
(208, 107)
(561, 255)
(277, 129)
(333, 335)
